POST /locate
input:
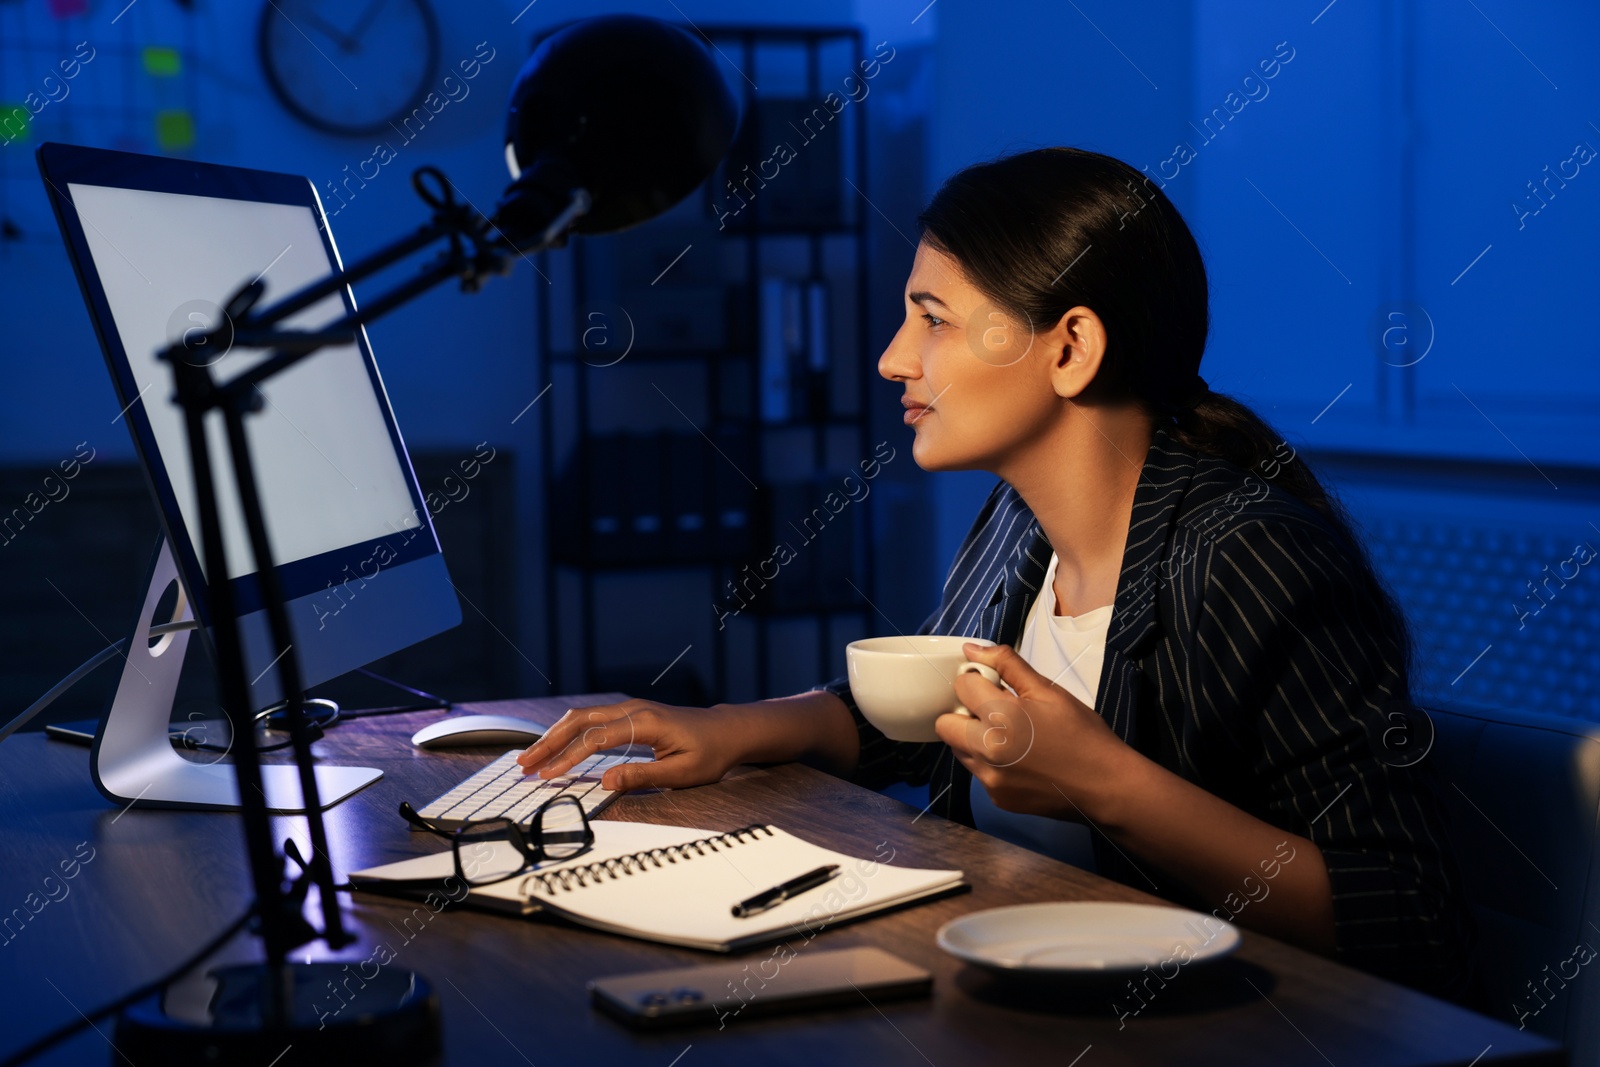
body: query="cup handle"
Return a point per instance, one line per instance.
(989, 675)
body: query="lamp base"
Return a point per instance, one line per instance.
(335, 1015)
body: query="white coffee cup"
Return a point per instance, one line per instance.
(902, 684)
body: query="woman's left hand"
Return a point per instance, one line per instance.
(1040, 752)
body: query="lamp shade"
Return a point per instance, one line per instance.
(629, 108)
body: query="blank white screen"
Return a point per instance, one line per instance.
(328, 472)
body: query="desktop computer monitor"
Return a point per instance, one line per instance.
(159, 245)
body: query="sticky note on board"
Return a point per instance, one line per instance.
(162, 62)
(174, 130)
(13, 122)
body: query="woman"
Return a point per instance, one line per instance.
(1209, 667)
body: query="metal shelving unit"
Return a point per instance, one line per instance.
(722, 444)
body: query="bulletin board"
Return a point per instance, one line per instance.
(132, 76)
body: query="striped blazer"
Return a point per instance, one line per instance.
(1243, 654)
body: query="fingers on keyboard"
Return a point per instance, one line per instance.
(570, 727)
(501, 790)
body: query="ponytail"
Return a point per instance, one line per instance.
(1223, 428)
(1219, 426)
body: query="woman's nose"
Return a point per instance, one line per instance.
(899, 361)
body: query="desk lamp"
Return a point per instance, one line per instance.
(612, 121)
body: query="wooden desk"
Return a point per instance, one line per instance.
(160, 883)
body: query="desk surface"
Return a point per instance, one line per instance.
(159, 883)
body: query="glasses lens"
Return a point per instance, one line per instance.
(562, 831)
(484, 852)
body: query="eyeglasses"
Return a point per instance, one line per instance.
(558, 830)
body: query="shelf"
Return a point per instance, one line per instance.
(759, 608)
(745, 347)
(761, 31)
(624, 566)
(645, 355)
(859, 607)
(656, 355)
(843, 229)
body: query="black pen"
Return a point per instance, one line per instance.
(778, 894)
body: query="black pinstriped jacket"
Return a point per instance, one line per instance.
(1243, 655)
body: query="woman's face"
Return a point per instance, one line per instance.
(978, 383)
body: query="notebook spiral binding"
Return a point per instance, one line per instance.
(570, 878)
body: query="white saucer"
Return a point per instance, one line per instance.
(1086, 938)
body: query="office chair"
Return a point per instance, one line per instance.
(1522, 791)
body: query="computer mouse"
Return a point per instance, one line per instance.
(477, 730)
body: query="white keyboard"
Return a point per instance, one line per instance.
(502, 791)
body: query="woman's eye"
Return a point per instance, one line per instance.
(931, 320)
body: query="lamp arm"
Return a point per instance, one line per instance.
(477, 248)
(328, 286)
(292, 347)
(451, 218)
(195, 395)
(320, 869)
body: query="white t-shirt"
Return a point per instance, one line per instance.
(1069, 650)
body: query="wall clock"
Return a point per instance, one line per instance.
(349, 67)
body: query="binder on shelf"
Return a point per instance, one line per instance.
(780, 345)
(790, 504)
(655, 498)
(795, 349)
(621, 516)
(660, 254)
(819, 343)
(732, 496)
(823, 542)
(690, 522)
(606, 524)
(683, 318)
(644, 474)
(836, 558)
(742, 323)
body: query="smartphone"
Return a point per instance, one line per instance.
(79, 732)
(723, 992)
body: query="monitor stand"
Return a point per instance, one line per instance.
(133, 761)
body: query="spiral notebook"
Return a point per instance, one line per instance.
(678, 885)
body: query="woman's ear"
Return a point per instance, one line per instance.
(1077, 345)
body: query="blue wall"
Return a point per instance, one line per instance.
(1368, 173)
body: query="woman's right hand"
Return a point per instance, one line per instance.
(693, 746)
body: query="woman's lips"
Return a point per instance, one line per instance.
(914, 410)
